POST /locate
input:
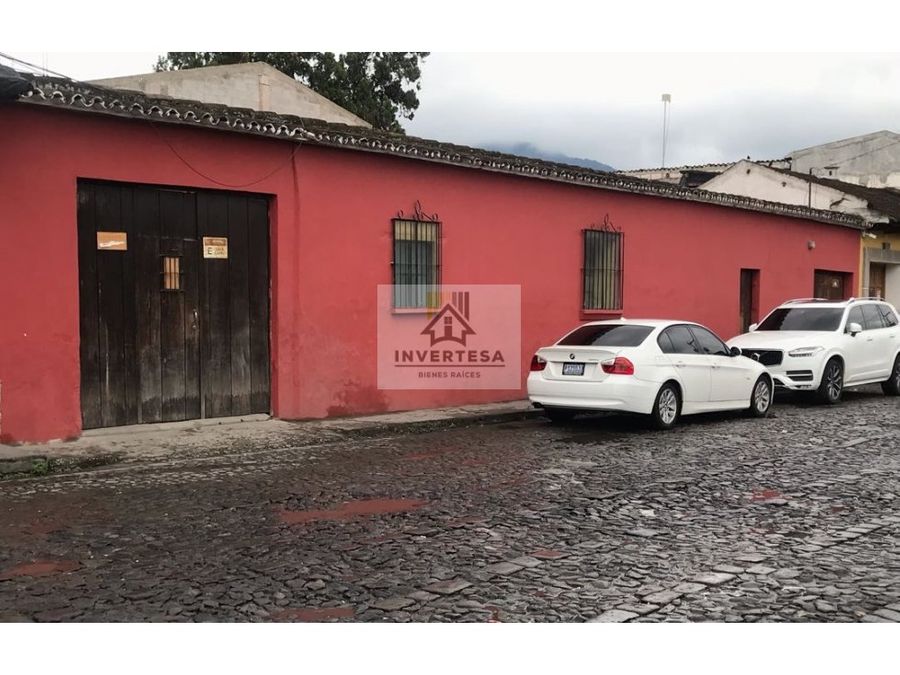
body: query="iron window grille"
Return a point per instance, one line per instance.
(417, 263)
(172, 273)
(603, 271)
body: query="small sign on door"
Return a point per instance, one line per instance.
(112, 241)
(215, 247)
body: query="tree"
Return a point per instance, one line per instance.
(380, 87)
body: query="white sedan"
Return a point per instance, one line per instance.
(663, 369)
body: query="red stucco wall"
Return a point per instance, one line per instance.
(331, 240)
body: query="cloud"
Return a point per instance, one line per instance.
(607, 107)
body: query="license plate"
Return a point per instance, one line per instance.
(573, 369)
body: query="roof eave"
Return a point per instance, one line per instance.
(53, 92)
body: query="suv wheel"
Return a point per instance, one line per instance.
(891, 386)
(761, 401)
(832, 386)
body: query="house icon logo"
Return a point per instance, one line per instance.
(451, 323)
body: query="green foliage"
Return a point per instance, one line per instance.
(380, 87)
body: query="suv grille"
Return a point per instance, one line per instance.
(767, 357)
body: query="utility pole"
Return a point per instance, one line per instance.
(666, 101)
(809, 182)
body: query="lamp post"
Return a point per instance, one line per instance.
(666, 101)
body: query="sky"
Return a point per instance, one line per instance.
(608, 107)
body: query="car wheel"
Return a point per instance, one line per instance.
(559, 415)
(891, 386)
(667, 407)
(832, 386)
(761, 399)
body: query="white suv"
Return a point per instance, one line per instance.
(823, 346)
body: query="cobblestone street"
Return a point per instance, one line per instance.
(791, 518)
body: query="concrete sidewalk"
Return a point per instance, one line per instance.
(224, 436)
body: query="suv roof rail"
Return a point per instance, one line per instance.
(799, 300)
(870, 298)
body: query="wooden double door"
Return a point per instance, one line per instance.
(174, 303)
(831, 285)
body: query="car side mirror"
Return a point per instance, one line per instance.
(736, 351)
(853, 329)
(753, 327)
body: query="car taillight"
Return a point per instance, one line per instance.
(618, 366)
(537, 363)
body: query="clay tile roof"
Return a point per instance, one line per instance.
(700, 167)
(884, 200)
(67, 94)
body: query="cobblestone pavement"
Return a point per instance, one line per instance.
(792, 518)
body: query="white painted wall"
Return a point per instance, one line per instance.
(673, 174)
(892, 284)
(257, 86)
(872, 160)
(752, 180)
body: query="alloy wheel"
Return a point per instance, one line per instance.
(834, 381)
(668, 406)
(762, 396)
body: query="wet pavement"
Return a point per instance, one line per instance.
(725, 518)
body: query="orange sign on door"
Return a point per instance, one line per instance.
(215, 247)
(112, 241)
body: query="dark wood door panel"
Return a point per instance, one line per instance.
(149, 308)
(258, 283)
(89, 335)
(239, 290)
(830, 285)
(215, 347)
(167, 334)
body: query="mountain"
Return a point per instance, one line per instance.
(531, 150)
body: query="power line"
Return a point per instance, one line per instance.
(36, 67)
(868, 152)
(197, 171)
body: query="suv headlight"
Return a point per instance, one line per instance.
(801, 352)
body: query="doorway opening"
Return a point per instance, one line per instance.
(174, 303)
(749, 298)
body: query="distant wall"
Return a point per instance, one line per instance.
(752, 180)
(873, 161)
(252, 85)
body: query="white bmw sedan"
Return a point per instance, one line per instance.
(663, 369)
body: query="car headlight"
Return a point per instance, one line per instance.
(801, 352)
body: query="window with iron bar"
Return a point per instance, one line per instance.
(171, 273)
(603, 270)
(417, 263)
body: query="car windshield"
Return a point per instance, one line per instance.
(803, 318)
(607, 335)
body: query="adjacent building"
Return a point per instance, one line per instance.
(870, 160)
(880, 207)
(257, 86)
(165, 259)
(858, 175)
